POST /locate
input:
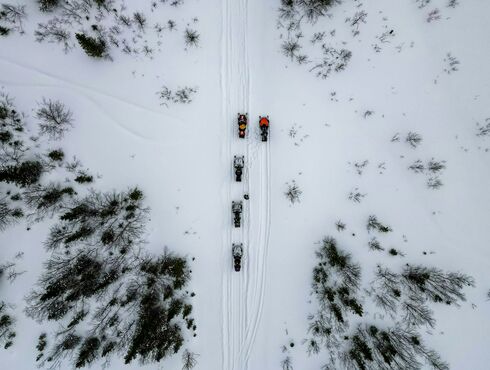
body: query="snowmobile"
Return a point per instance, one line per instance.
(264, 127)
(238, 162)
(242, 124)
(236, 209)
(237, 251)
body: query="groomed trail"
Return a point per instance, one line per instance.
(242, 292)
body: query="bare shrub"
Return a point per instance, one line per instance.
(413, 139)
(56, 119)
(293, 192)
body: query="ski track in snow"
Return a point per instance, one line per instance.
(242, 292)
(79, 86)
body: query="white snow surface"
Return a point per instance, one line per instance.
(181, 157)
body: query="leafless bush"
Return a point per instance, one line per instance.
(182, 95)
(287, 363)
(339, 225)
(433, 15)
(356, 196)
(335, 60)
(452, 64)
(140, 20)
(485, 129)
(56, 119)
(374, 224)
(434, 182)
(452, 3)
(290, 48)
(356, 20)
(293, 192)
(55, 31)
(13, 16)
(417, 166)
(189, 360)
(434, 166)
(317, 37)
(375, 245)
(413, 139)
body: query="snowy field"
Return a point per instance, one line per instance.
(402, 132)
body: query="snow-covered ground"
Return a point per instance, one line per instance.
(181, 157)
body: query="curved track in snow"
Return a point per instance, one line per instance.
(242, 292)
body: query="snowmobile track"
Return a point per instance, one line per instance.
(243, 292)
(234, 85)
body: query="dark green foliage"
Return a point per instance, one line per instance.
(93, 47)
(396, 348)
(310, 9)
(187, 310)
(360, 352)
(4, 31)
(154, 338)
(136, 194)
(53, 195)
(191, 37)
(9, 215)
(5, 136)
(67, 281)
(410, 291)
(48, 5)
(41, 345)
(112, 219)
(7, 333)
(88, 352)
(24, 174)
(435, 284)
(336, 280)
(146, 292)
(84, 179)
(56, 155)
(44, 198)
(157, 334)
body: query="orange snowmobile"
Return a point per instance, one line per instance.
(242, 124)
(264, 127)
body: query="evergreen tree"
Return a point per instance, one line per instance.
(94, 47)
(24, 174)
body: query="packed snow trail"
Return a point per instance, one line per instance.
(243, 292)
(235, 91)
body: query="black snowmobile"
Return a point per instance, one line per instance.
(237, 251)
(264, 127)
(238, 162)
(236, 209)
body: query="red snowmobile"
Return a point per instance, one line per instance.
(242, 124)
(264, 127)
